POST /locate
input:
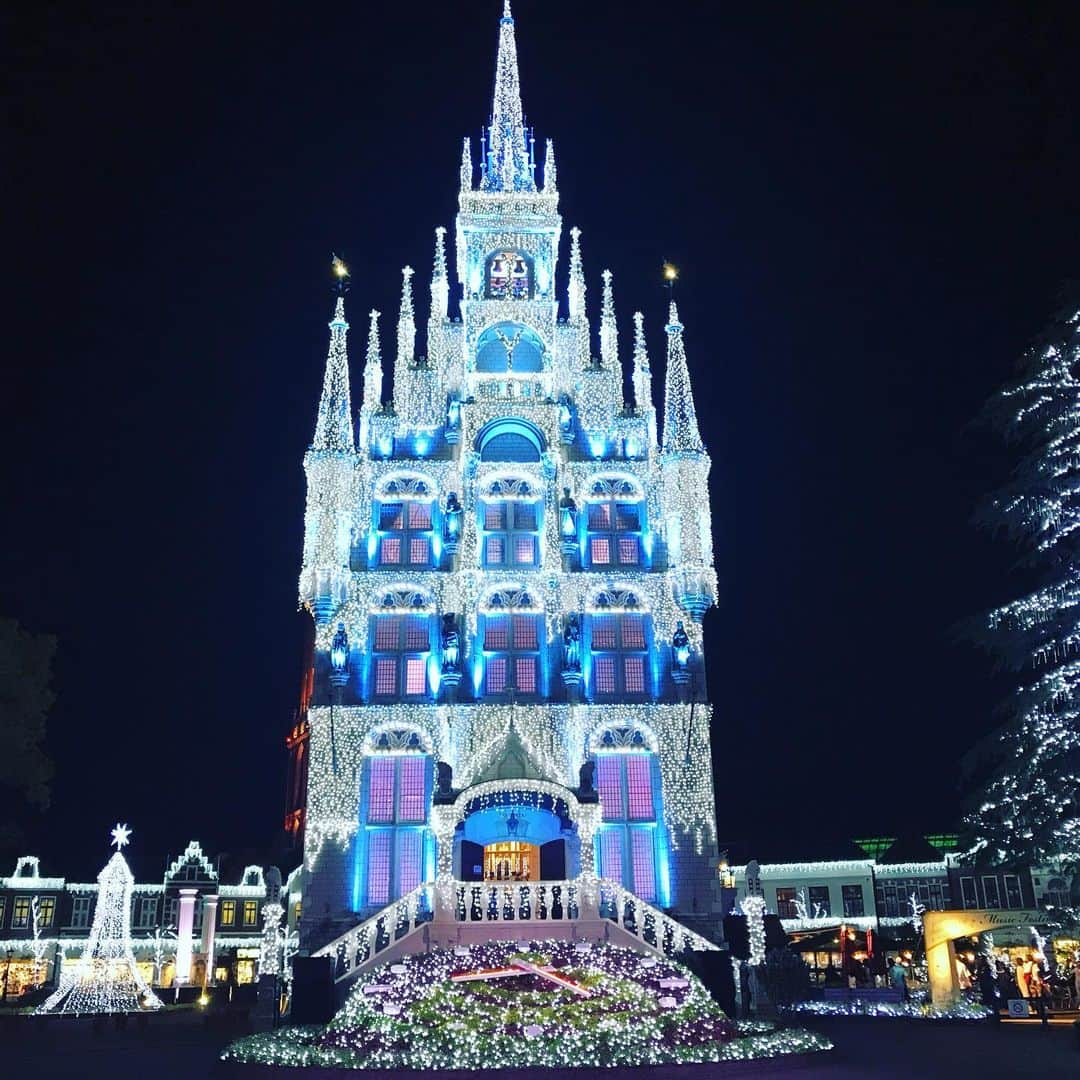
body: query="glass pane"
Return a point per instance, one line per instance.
(641, 850)
(381, 790)
(419, 549)
(495, 675)
(411, 799)
(524, 550)
(390, 516)
(419, 515)
(633, 631)
(634, 674)
(409, 848)
(599, 516)
(525, 632)
(390, 550)
(626, 517)
(604, 675)
(494, 551)
(415, 676)
(639, 786)
(385, 677)
(496, 632)
(379, 868)
(628, 550)
(494, 516)
(599, 550)
(387, 633)
(525, 674)
(611, 854)
(524, 515)
(603, 631)
(609, 786)
(416, 633)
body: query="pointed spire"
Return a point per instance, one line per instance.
(440, 289)
(642, 377)
(466, 164)
(577, 277)
(609, 334)
(551, 177)
(406, 327)
(373, 366)
(333, 427)
(681, 433)
(508, 167)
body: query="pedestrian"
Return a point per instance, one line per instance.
(988, 989)
(898, 978)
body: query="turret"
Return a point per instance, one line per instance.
(373, 380)
(551, 185)
(406, 342)
(466, 165)
(609, 335)
(333, 427)
(642, 377)
(681, 433)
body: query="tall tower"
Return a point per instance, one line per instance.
(507, 575)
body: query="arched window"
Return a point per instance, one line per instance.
(509, 276)
(512, 634)
(618, 638)
(627, 779)
(614, 523)
(509, 347)
(403, 522)
(510, 439)
(510, 523)
(395, 798)
(400, 644)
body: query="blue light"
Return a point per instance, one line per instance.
(385, 445)
(423, 444)
(434, 668)
(596, 445)
(633, 448)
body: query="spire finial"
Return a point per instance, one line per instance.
(406, 332)
(577, 276)
(333, 426)
(642, 375)
(373, 374)
(466, 164)
(440, 288)
(609, 334)
(508, 165)
(551, 182)
(681, 434)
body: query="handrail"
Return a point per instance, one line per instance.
(648, 924)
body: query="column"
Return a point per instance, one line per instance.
(183, 935)
(209, 928)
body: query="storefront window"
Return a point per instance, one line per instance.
(853, 901)
(785, 904)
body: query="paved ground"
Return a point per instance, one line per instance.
(185, 1047)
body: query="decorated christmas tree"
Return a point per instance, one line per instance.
(1028, 803)
(106, 979)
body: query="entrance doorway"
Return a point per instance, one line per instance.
(511, 860)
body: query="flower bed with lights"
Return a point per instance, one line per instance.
(540, 1004)
(904, 1010)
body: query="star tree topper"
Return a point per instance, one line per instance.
(120, 835)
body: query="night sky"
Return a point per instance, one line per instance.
(873, 206)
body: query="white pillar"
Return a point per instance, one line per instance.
(183, 935)
(209, 926)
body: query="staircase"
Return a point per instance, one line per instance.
(470, 913)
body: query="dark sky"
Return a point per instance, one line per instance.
(873, 205)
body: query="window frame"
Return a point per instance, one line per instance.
(785, 905)
(1015, 880)
(49, 902)
(228, 913)
(510, 532)
(512, 654)
(81, 907)
(987, 881)
(148, 906)
(811, 902)
(401, 656)
(974, 893)
(20, 912)
(622, 828)
(251, 906)
(405, 534)
(847, 898)
(613, 533)
(618, 654)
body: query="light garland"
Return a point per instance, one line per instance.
(753, 907)
(106, 979)
(639, 1011)
(963, 1009)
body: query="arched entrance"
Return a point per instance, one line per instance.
(942, 928)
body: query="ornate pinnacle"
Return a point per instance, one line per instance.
(466, 164)
(681, 434)
(550, 174)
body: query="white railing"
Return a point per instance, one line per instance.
(531, 904)
(647, 923)
(362, 943)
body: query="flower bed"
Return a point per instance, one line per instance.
(905, 1010)
(636, 1010)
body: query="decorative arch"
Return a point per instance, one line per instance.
(623, 735)
(510, 597)
(396, 736)
(511, 486)
(615, 599)
(406, 485)
(509, 438)
(603, 487)
(403, 598)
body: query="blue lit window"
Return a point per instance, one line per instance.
(614, 533)
(404, 533)
(626, 851)
(511, 644)
(400, 645)
(396, 806)
(619, 650)
(510, 533)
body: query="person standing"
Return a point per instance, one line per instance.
(988, 990)
(898, 978)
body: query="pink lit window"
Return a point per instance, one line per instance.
(599, 515)
(633, 632)
(599, 550)
(387, 632)
(641, 854)
(391, 516)
(609, 786)
(634, 674)
(628, 550)
(497, 632)
(611, 854)
(604, 675)
(411, 795)
(603, 631)
(419, 515)
(495, 675)
(494, 516)
(493, 550)
(416, 633)
(524, 632)
(409, 849)
(415, 676)
(525, 674)
(639, 786)
(524, 550)
(379, 868)
(418, 551)
(385, 677)
(390, 550)
(381, 790)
